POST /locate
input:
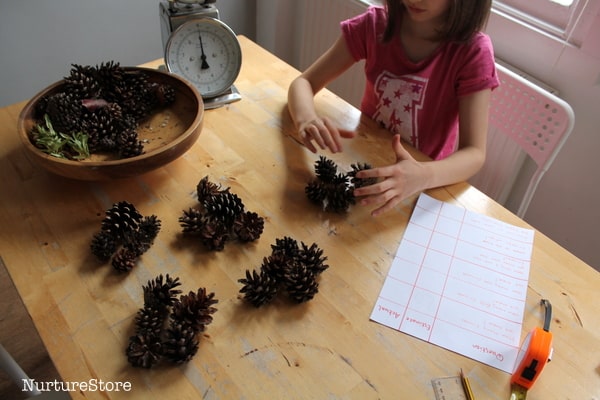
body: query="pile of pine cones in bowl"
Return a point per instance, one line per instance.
(107, 121)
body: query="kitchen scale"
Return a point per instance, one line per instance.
(201, 48)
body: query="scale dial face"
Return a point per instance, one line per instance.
(207, 53)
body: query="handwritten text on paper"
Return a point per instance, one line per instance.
(459, 280)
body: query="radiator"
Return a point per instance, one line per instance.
(319, 28)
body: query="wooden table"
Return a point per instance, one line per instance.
(325, 348)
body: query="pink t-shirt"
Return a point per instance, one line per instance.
(418, 100)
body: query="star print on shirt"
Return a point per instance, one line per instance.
(400, 100)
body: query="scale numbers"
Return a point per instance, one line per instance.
(207, 53)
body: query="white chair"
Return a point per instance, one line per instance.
(16, 373)
(14, 370)
(537, 124)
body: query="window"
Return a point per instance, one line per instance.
(567, 20)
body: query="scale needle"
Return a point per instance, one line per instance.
(202, 56)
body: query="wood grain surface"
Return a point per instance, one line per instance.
(325, 348)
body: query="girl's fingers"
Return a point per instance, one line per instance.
(379, 197)
(375, 188)
(386, 207)
(307, 140)
(317, 135)
(324, 134)
(334, 143)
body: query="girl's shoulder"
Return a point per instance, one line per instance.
(480, 39)
(366, 27)
(378, 11)
(373, 15)
(480, 43)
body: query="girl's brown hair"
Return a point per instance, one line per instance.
(465, 18)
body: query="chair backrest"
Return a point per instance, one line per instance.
(14, 370)
(18, 376)
(537, 123)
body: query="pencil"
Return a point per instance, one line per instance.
(466, 386)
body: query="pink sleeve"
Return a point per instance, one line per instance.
(360, 32)
(479, 71)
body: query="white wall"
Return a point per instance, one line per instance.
(39, 40)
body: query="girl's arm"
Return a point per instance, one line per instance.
(310, 126)
(408, 176)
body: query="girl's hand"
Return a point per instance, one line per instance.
(400, 180)
(325, 134)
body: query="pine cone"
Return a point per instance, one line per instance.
(214, 234)
(64, 111)
(225, 207)
(248, 226)
(207, 189)
(143, 350)
(325, 169)
(124, 260)
(40, 108)
(164, 94)
(136, 245)
(115, 112)
(104, 123)
(316, 191)
(276, 265)
(358, 182)
(181, 343)
(102, 131)
(300, 283)
(148, 229)
(192, 221)
(109, 75)
(149, 320)
(194, 309)
(129, 144)
(134, 94)
(259, 288)
(82, 83)
(339, 198)
(103, 246)
(161, 291)
(103, 102)
(312, 258)
(121, 220)
(287, 246)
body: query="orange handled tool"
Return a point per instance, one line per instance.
(535, 353)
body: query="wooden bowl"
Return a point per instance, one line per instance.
(167, 134)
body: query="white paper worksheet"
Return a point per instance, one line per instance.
(459, 281)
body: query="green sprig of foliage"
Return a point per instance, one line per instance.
(58, 144)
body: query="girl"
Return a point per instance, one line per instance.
(430, 72)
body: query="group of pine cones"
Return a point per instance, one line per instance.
(167, 326)
(124, 236)
(334, 190)
(105, 103)
(221, 216)
(291, 268)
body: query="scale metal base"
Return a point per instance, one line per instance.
(230, 96)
